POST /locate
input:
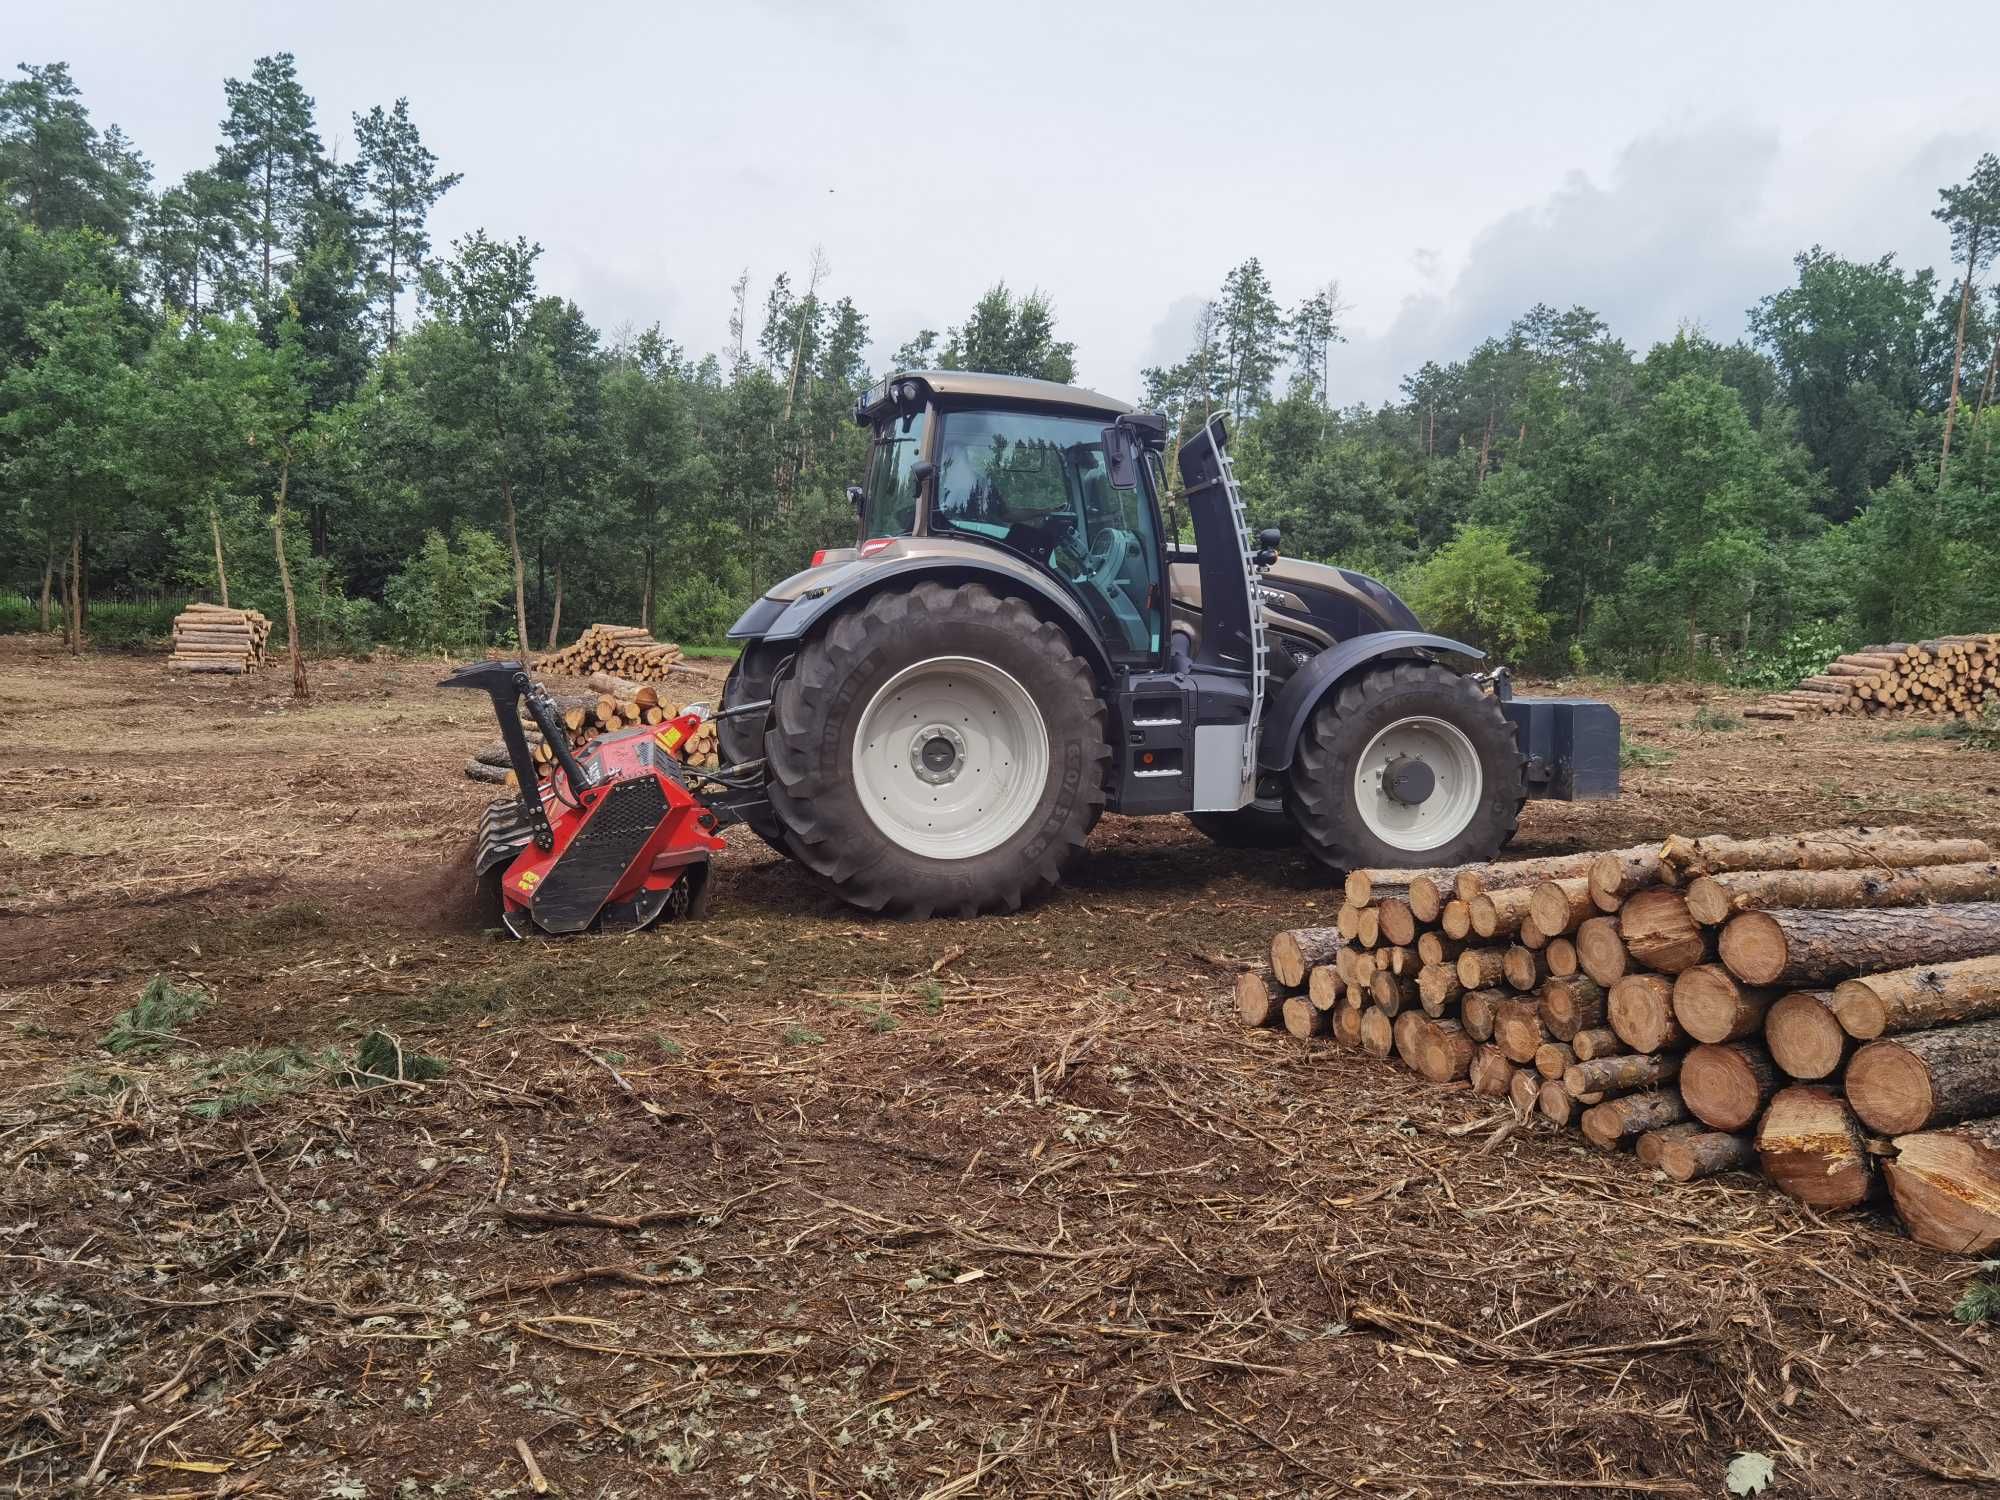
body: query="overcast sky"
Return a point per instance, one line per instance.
(1449, 164)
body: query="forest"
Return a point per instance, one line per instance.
(269, 362)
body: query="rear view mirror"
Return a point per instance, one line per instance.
(1121, 457)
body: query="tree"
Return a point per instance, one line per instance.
(193, 238)
(1312, 331)
(54, 165)
(400, 184)
(272, 148)
(1251, 330)
(1009, 335)
(1477, 588)
(1971, 211)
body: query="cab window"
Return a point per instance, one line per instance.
(891, 506)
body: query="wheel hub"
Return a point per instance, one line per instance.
(1409, 780)
(937, 754)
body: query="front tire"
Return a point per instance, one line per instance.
(1347, 798)
(937, 751)
(743, 740)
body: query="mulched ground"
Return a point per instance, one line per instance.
(795, 1203)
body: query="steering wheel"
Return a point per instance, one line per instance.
(1110, 550)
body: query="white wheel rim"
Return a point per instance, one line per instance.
(1454, 798)
(950, 757)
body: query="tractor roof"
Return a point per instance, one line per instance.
(974, 385)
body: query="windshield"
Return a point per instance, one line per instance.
(891, 507)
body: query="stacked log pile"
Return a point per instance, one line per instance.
(210, 638)
(1825, 1008)
(615, 705)
(1956, 675)
(624, 649)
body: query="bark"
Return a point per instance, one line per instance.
(1804, 1035)
(1727, 1083)
(300, 689)
(1397, 922)
(1560, 956)
(1293, 953)
(1600, 950)
(1608, 1124)
(221, 572)
(1302, 1018)
(1958, 352)
(1571, 1005)
(1632, 1070)
(1641, 1010)
(1704, 1153)
(1517, 1029)
(555, 614)
(1491, 1072)
(1472, 880)
(1713, 1007)
(1713, 899)
(48, 579)
(1659, 933)
(1793, 947)
(1560, 906)
(1946, 1186)
(1365, 887)
(75, 611)
(1927, 1078)
(1858, 849)
(1911, 999)
(1811, 1148)
(1481, 968)
(1522, 967)
(1475, 1013)
(1378, 1037)
(1595, 1042)
(1258, 997)
(520, 567)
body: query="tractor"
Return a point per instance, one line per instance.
(1018, 642)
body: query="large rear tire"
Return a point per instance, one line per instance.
(937, 751)
(1351, 792)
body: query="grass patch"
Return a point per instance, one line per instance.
(802, 1036)
(155, 1020)
(1982, 733)
(1632, 755)
(712, 653)
(1981, 1302)
(1707, 720)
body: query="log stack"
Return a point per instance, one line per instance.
(210, 638)
(1825, 1007)
(1955, 676)
(626, 650)
(617, 705)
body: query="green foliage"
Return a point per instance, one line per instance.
(1804, 652)
(1981, 1300)
(802, 1036)
(1634, 756)
(1709, 721)
(155, 1019)
(1982, 733)
(383, 1058)
(250, 1077)
(1010, 335)
(697, 609)
(444, 597)
(1477, 589)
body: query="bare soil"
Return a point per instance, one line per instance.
(791, 1202)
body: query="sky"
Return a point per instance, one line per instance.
(1449, 165)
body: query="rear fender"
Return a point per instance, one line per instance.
(1303, 692)
(776, 623)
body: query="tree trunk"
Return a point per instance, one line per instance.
(1347, 1026)
(75, 588)
(1481, 968)
(1560, 1105)
(1712, 899)
(1378, 1035)
(520, 567)
(300, 690)
(1491, 1072)
(1641, 1011)
(646, 597)
(48, 581)
(1812, 1149)
(1609, 1123)
(1911, 999)
(1712, 1007)
(1259, 997)
(1524, 1091)
(1790, 947)
(1437, 987)
(1571, 1004)
(1727, 1083)
(1600, 950)
(1475, 1013)
(1616, 875)
(1804, 1037)
(1658, 931)
(1704, 1153)
(1649, 1145)
(1522, 967)
(1439, 1050)
(1927, 1078)
(1594, 1042)
(555, 614)
(1302, 1018)
(1553, 1059)
(1517, 1029)
(1397, 922)
(1958, 352)
(1560, 906)
(1946, 1186)
(1634, 1070)
(1560, 956)
(1293, 953)
(1863, 849)
(221, 573)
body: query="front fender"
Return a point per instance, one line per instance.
(1285, 719)
(775, 621)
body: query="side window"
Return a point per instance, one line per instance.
(891, 509)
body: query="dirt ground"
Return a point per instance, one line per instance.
(794, 1203)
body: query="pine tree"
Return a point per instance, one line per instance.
(1972, 212)
(54, 165)
(399, 185)
(272, 148)
(1252, 333)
